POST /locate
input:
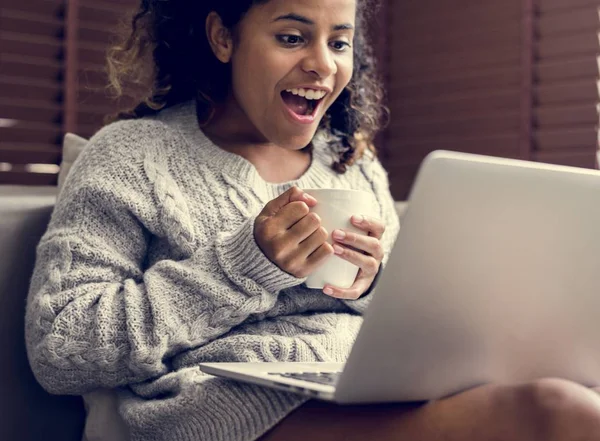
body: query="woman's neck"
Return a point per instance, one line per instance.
(230, 130)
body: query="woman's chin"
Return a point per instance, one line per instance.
(296, 141)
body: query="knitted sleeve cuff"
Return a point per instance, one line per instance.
(244, 262)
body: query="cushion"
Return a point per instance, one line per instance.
(73, 145)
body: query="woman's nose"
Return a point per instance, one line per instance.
(319, 60)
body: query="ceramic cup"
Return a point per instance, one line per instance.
(335, 207)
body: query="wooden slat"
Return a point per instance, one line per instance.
(566, 69)
(563, 5)
(23, 22)
(491, 101)
(457, 39)
(504, 77)
(30, 154)
(425, 17)
(548, 117)
(580, 91)
(444, 86)
(32, 133)
(40, 90)
(468, 125)
(18, 44)
(573, 21)
(48, 8)
(404, 151)
(26, 178)
(476, 58)
(585, 158)
(568, 46)
(29, 110)
(566, 139)
(31, 67)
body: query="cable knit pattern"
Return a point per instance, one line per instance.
(174, 212)
(149, 266)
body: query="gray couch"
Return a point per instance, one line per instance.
(27, 412)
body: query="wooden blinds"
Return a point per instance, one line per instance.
(31, 87)
(51, 80)
(512, 78)
(565, 94)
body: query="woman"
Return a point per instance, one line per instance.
(182, 237)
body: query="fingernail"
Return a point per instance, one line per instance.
(338, 249)
(308, 197)
(328, 291)
(358, 219)
(339, 235)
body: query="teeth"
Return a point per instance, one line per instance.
(309, 94)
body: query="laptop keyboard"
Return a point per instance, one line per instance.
(327, 378)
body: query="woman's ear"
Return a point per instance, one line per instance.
(219, 37)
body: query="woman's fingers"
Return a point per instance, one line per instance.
(360, 286)
(368, 264)
(374, 227)
(368, 244)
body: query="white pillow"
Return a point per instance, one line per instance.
(73, 145)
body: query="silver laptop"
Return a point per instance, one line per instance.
(495, 277)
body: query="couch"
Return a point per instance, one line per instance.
(27, 412)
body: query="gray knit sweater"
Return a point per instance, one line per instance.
(149, 266)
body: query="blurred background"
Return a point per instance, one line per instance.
(511, 78)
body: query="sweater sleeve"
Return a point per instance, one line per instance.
(378, 177)
(97, 316)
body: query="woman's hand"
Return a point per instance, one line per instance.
(365, 252)
(290, 236)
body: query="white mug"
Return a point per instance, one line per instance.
(335, 207)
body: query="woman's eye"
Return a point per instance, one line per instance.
(290, 40)
(340, 46)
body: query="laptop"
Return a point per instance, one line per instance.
(495, 277)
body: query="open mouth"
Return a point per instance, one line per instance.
(302, 102)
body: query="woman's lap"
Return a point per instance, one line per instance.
(545, 410)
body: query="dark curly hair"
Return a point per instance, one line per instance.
(153, 60)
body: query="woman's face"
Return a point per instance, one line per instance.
(290, 62)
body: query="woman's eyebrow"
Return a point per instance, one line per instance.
(307, 21)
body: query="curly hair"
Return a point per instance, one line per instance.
(152, 65)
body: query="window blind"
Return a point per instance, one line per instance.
(565, 94)
(31, 88)
(52, 80)
(510, 78)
